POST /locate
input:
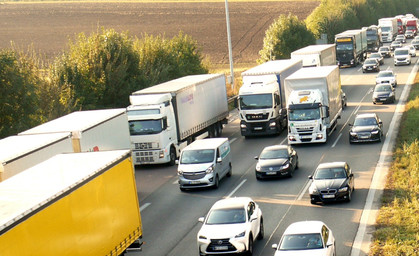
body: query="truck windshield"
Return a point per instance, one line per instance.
(304, 114)
(344, 47)
(385, 29)
(256, 101)
(142, 127)
(198, 156)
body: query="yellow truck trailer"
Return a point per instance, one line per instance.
(71, 204)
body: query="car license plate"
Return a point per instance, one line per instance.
(194, 182)
(221, 248)
(364, 137)
(270, 173)
(328, 196)
(383, 99)
(258, 128)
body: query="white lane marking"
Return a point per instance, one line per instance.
(233, 140)
(283, 141)
(300, 196)
(144, 206)
(336, 141)
(175, 182)
(362, 239)
(234, 191)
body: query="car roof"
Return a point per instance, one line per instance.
(364, 115)
(304, 227)
(231, 202)
(331, 165)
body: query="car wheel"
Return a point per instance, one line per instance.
(291, 173)
(250, 246)
(261, 230)
(182, 189)
(380, 138)
(349, 196)
(313, 201)
(296, 165)
(230, 171)
(172, 157)
(217, 182)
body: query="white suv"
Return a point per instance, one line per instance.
(230, 227)
(402, 56)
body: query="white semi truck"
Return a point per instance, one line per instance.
(261, 100)
(314, 104)
(316, 55)
(389, 28)
(164, 118)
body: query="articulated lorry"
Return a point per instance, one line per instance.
(75, 204)
(351, 47)
(314, 104)
(374, 41)
(389, 28)
(91, 130)
(261, 100)
(164, 118)
(18, 153)
(316, 55)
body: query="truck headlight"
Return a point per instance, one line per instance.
(243, 126)
(161, 154)
(210, 169)
(319, 136)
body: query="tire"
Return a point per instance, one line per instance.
(296, 165)
(313, 202)
(261, 230)
(216, 131)
(291, 174)
(220, 129)
(250, 246)
(182, 189)
(349, 197)
(172, 157)
(230, 172)
(217, 182)
(380, 138)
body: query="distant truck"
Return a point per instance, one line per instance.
(261, 99)
(164, 118)
(18, 153)
(389, 28)
(314, 104)
(72, 204)
(400, 25)
(374, 41)
(316, 55)
(412, 25)
(91, 130)
(351, 47)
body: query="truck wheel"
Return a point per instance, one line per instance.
(211, 131)
(172, 156)
(219, 128)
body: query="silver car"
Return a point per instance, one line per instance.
(386, 76)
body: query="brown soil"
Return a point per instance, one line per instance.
(49, 26)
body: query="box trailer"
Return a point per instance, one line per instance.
(71, 204)
(316, 55)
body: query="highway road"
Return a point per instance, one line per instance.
(170, 217)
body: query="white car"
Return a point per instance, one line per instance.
(312, 238)
(386, 76)
(412, 50)
(402, 56)
(231, 226)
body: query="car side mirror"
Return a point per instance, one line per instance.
(351, 175)
(310, 177)
(201, 219)
(219, 159)
(328, 245)
(256, 157)
(380, 122)
(275, 246)
(176, 161)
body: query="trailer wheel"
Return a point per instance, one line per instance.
(172, 156)
(219, 128)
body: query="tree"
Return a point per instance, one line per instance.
(284, 36)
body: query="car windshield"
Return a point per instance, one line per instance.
(301, 242)
(370, 61)
(274, 153)
(226, 216)
(375, 55)
(365, 121)
(384, 49)
(256, 101)
(304, 114)
(385, 74)
(198, 156)
(382, 88)
(330, 173)
(142, 127)
(402, 52)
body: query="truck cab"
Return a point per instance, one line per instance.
(306, 117)
(152, 129)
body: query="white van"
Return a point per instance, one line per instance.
(204, 163)
(402, 56)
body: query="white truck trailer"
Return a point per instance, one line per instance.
(314, 104)
(389, 28)
(18, 153)
(91, 130)
(164, 118)
(316, 55)
(261, 100)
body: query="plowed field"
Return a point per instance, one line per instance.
(49, 26)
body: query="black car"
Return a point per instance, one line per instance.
(366, 128)
(371, 65)
(331, 182)
(276, 161)
(383, 93)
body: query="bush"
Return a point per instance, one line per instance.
(284, 36)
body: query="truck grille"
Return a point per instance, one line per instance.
(146, 145)
(194, 175)
(257, 116)
(144, 156)
(220, 245)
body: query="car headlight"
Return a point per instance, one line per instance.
(257, 167)
(344, 189)
(202, 237)
(352, 133)
(391, 94)
(312, 189)
(180, 172)
(273, 124)
(285, 166)
(374, 132)
(241, 234)
(210, 169)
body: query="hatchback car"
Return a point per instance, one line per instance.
(395, 44)
(415, 43)
(378, 57)
(367, 127)
(412, 50)
(383, 93)
(231, 226)
(306, 238)
(331, 182)
(401, 38)
(402, 56)
(385, 51)
(371, 65)
(386, 76)
(276, 161)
